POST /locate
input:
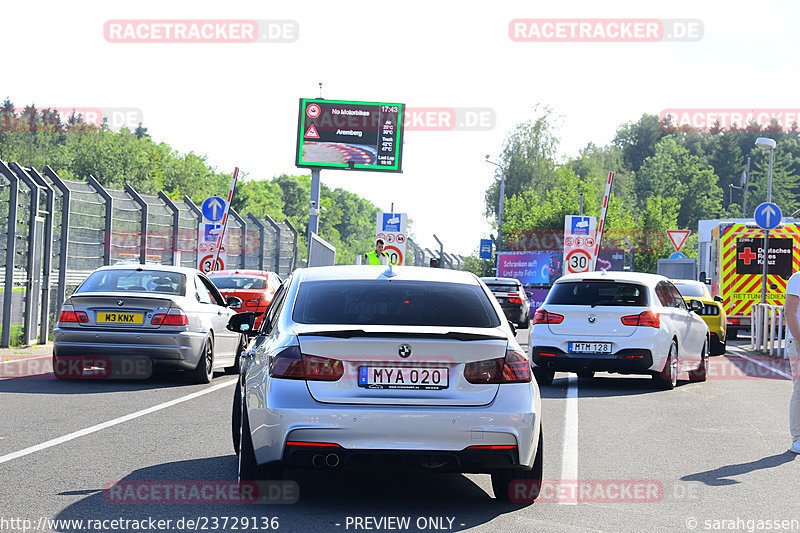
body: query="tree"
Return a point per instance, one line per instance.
(671, 172)
(528, 159)
(141, 131)
(637, 140)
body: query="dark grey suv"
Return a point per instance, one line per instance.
(512, 298)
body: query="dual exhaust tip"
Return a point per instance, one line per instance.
(331, 460)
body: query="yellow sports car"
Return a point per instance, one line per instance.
(712, 311)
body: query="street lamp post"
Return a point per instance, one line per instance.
(502, 194)
(766, 143)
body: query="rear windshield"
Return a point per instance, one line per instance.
(689, 290)
(597, 293)
(502, 287)
(239, 281)
(135, 281)
(401, 303)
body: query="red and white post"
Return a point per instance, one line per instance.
(601, 224)
(225, 217)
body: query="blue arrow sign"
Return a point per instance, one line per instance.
(768, 215)
(213, 208)
(677, 255)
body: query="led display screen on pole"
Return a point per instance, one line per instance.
(350, 135)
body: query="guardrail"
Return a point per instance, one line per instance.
(766, 329)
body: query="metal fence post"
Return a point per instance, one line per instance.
(64, 242)
(243, 224)
(11, 240)
(277, 243)
(31, 313)
(47, 267)
(176, 216)
(294, 243)
(261, 230)
(143, 237)
(199, 213)
(108, 220)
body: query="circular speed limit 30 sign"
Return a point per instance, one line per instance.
(578, 261)
(395, 255)
(207, 261)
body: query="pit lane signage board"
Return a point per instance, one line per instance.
(391, 227)
(207, 236)
(353, 135)
(580, 233)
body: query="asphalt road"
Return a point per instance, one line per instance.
(710, 455)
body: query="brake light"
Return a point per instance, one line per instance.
(68, 314)
(314, 444)
(492, 447)
(513, 368)
(543, 317)
(515, 300)
(175, 317)
(733, 321)
(290, 363)
(645, 318)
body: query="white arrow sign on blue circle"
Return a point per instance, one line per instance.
(213, 208)
(768, 215)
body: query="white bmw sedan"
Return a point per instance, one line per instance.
(623, 322)
(368, 366)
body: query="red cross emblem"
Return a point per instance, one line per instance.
(747, 255)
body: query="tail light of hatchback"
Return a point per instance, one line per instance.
(543, 317)
(513, 368)
(645, 318)
(514, 300)
(174, 317)
(68, 314)
(290, 363)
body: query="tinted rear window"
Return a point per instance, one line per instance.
(690, 290)
(239, 281)
(135, 281)
(401, 303)
(597, 293)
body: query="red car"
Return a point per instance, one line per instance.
(255, 288)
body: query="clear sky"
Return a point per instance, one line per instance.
(237, 102)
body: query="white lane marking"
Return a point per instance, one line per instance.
(110, 423)
(772, 369)
(24, 358)
(569, 457)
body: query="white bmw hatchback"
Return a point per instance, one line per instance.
(623, 322)
(366, 366)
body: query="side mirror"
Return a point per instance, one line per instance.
(702, 278)
(695, 305)
(234, 302)
(718, 298)
(243, 323)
